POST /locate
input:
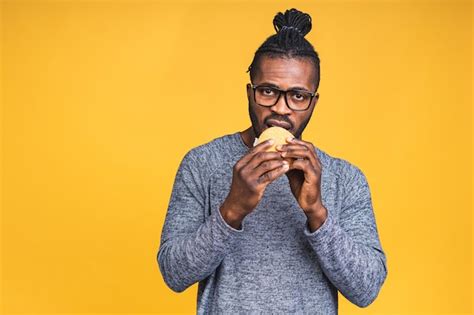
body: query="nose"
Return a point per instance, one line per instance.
(280, 107)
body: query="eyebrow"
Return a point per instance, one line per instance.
(291, 88)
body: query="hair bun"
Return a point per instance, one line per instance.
(292, 19)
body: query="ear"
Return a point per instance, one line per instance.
(249, 91)
(315, 100)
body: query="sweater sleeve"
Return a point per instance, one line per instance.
(192, 244)
(349, 249)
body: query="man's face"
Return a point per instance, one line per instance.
(284, 74)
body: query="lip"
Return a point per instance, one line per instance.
(278, 123)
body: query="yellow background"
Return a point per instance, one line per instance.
(102, 99)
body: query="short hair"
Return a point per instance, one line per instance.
(288, 42)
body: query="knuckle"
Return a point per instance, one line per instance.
(236, 166)
(254, 151)
(241, 171)
(266, 155)
(253, 185)
(266, 165)
(271, 154)
(275, 173)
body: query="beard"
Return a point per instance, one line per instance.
(258, 129)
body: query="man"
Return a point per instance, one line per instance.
(260, 236)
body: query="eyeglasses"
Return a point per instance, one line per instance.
(297, 100)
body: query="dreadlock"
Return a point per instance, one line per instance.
(288, 42)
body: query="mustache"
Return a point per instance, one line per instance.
(277, 117)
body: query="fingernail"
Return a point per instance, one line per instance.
(285, 163)
(270, 141)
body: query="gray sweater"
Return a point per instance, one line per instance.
(273, 264)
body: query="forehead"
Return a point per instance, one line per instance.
(286, 72)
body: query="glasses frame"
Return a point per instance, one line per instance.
(280, 92)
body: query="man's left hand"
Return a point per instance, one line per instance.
(304, 176)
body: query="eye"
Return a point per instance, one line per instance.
(267, 91)
(299, 96)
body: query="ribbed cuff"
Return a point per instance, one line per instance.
(224, 226)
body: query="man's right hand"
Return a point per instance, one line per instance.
(251, 175)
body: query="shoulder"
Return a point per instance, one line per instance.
(211, 153)
(355, 187)
(347, 172)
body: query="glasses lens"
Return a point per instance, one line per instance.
(266, 96)
(298, 100)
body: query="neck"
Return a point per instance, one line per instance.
(248, 136)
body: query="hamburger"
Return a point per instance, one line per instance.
(279, 135)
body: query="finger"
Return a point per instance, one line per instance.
(306, 154)
(294, 143)
(268, 166)
(258, 148)
(260, 157)
(300, 151)
(307, 144)
(262, 144)
(289, 147)
(270, 176)
(310, 175)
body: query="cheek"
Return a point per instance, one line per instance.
(260, 113)
(300, 122)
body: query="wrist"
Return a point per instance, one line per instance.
(316, 217)
(231, 216)
(316, 210)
